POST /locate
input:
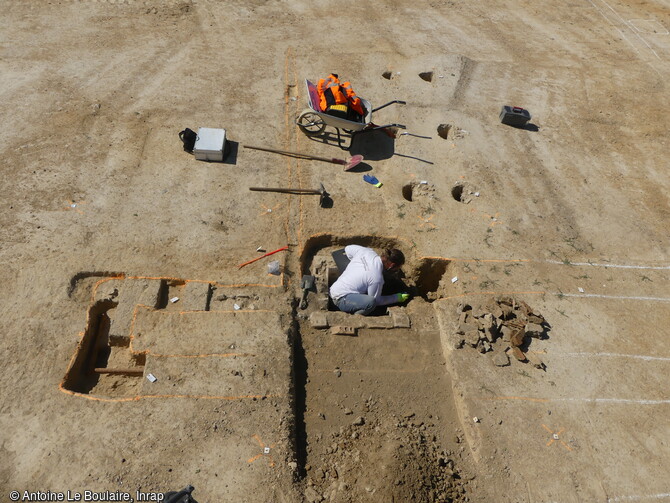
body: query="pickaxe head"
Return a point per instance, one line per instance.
(324, 198)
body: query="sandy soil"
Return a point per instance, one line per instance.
(105, 220)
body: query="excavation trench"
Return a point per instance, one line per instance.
(105, 363)
(374, 414)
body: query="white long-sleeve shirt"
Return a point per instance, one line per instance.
(364, 275)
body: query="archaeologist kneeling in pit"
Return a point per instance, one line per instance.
(359, 289)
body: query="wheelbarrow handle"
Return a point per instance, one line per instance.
(399, 102)
(375, 127)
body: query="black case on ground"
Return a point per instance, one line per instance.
(341, 259)
(188, 137)
(514, 116)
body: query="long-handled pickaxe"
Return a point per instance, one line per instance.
(324, 200)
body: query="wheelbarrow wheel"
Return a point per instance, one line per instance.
(310, 123)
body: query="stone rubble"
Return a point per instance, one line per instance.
(504, 326)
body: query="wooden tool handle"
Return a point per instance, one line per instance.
(285, 190)
(298, 154)
(137, 371)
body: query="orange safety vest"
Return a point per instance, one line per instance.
(354, 101)
(331, 92)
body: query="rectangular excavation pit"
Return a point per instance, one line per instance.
(327, 272)
(320, 258)
(103, 364)
(423, 279)
(317, 259)
(170, 343)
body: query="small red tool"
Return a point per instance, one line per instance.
(262, 256)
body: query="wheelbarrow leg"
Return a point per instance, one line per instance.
(340, 142)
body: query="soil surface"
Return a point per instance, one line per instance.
(382, 401)
(139, 357)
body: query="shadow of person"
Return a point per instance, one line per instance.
(394, 282)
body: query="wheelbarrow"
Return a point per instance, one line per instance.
(313, 121)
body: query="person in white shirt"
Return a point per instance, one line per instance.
(359, 289)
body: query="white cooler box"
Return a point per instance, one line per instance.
(210, 144)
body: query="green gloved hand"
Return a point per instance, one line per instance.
(402, 297)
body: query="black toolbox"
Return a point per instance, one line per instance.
(514, 116)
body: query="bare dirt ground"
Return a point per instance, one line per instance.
(105, 221)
